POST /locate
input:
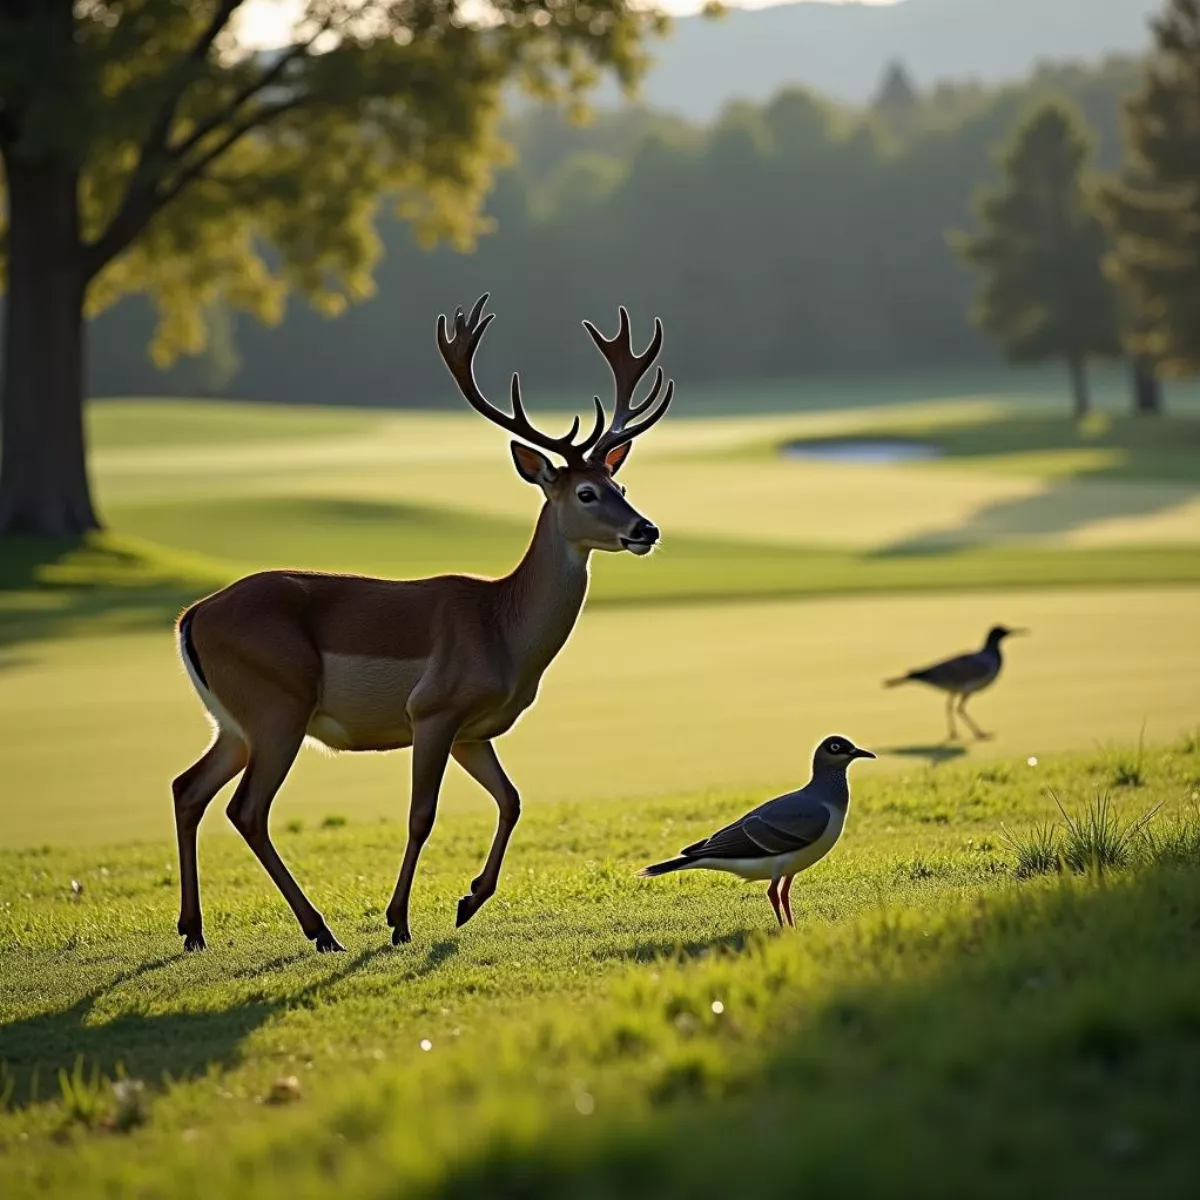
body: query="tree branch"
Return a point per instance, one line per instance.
(195, 170)
(156, 156)
(156, 140)
(247, 93)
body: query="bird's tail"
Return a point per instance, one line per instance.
(664, 868)
(897, 681)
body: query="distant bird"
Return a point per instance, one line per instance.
(963, 676)
(784, 836)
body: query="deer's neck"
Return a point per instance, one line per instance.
(544, 594)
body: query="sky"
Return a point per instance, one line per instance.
(266, 23)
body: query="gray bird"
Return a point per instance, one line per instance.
(784, 836)
(963, 676)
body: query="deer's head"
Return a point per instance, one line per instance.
(588, 503)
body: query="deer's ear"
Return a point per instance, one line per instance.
(614, 459)
(532, 465)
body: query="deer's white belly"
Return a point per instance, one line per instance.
(364, 702)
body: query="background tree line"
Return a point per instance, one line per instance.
(785, 239)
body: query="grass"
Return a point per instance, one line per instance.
(647, 1038)
(1094, 839)
(682, 699)
(954, 1016)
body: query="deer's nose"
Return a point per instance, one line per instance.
(645, 531)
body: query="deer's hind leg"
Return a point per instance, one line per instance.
(274, 745)
(193, 792)
(480, 761)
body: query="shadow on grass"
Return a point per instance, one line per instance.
(1047, 1043)
(51, 589)
(155, 1047)
(667, 951)
(934, 754)
(1106, 449)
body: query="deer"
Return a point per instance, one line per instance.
(444, 665)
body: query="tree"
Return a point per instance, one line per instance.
(1153, 210)
(896, 100)
(145, 147)
(1043, 293)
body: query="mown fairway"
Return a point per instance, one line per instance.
(961, 1024)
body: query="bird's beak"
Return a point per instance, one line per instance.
(863, 754)
(1018, 632)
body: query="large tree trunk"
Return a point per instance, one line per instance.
(1147, 390)
(1080, 395)
(43, 467)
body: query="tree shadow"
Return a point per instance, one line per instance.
(1047, 1041)
(154, 1047)
(935, 753)
(51, 589)
(1059, 508)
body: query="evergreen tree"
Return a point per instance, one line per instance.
(145, 147)
(1042, 292)
(1154, 210)
(896, 101)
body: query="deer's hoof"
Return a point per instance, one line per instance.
(401, 936)
(468, 906)
(326, 943)
(193, 942)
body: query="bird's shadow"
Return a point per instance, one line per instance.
(934, 753)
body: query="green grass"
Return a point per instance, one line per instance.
(682, 698)
(933, 1027)
(955, 1016)
(149, 423)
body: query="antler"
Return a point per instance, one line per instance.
(458, 353)
(628, 370)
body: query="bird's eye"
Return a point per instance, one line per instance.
(835, 747)
(586, 495)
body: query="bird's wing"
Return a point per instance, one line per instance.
(953, 672)
(755, 836)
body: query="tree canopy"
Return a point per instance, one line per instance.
(209, 170)
(1154, 209)
(823, 251)
(147, 147)
(1040, 252)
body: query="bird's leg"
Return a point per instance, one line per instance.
(962, 712)
(952, 734)
(773, 896)
(784, 893)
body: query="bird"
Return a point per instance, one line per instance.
(963, 676)
(782, 837)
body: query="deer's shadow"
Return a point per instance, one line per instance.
(154, 1047)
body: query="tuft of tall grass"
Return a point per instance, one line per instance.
(1096, 839)
(1036, 850)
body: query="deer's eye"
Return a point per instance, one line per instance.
(587, 495)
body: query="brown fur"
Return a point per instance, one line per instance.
(443, 665)
(372, 664)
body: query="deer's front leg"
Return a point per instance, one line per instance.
(480, 761)
(432, 740)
